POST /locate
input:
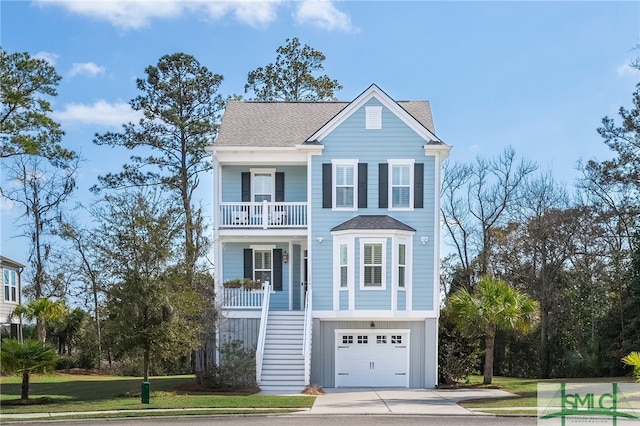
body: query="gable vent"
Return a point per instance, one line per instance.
(374, 117)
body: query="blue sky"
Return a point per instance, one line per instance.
(538, 75)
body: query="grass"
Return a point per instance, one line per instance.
(80, 393)
(526, 389)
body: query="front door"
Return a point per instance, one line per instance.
(304, 282)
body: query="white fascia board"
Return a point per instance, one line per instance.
(249, 155)
(375, 92)
(367, 315)
(230, 313)
(442, 150)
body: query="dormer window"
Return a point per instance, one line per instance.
(373, 117)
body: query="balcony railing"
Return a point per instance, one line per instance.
(241, 298)
(266, 214)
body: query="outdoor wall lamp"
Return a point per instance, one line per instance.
(320, 240)
(373, 324)
(285, 257)
(424, 240)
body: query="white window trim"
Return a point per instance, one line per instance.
(271, 172)
(396, 162)
(396, 263)
(344, 162)
(12, 284)
(337, 289)
(383, 242)
(264, 247)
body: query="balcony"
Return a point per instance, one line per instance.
(263, 215)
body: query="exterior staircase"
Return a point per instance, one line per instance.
(283, 362)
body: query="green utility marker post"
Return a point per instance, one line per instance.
(145, 392)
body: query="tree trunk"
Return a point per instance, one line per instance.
(25, 386)
(41, 330)
(489, 342)
(145, 364)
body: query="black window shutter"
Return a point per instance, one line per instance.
(383, 185)
(246, 186)
(279, 186)
(362, 185)
(248, 263)
(418, 185)
(327, 171)
(277, 270)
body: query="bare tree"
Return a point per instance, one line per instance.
(42, 191)
(83, 264)
(478, 197)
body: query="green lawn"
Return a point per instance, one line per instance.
(97, 393)
(526, 389)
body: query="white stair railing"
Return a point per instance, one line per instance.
(263, 330)
(306, 342)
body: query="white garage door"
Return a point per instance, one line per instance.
(372, 359)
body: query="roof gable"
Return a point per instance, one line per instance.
(375, 92)
(289, 124)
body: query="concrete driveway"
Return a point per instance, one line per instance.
(399, 401)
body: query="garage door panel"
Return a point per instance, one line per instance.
(377, 359)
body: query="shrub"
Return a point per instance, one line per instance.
(458, 352)
(237, 369)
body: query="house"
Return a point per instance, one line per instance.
(11, 296)
(334, 208)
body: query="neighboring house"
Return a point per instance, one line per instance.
(11, 296)
(335, 205)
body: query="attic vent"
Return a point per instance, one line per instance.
(374, 117)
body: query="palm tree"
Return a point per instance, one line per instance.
(494, 305)
(44, 311)
(25, 358)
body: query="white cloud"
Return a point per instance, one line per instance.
(6, 204)
(49, 57)
(626, 69)
(101, 113)
(89, 69)
(133, 14)
(322, 14)
(125, 14)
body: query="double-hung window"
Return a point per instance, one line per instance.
(262, 265)
(372, 254)
(401, 184)
(262, 185)
(402, 265)
(345, 178)
(10, 286)
(344, 266)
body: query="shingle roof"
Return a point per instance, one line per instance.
(282, 124)
(376, 222)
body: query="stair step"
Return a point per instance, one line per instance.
(279, 368)
(281, 390)
(282, 381)
(294, 327)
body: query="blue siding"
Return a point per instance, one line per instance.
(394, 141)
(295, 182)
(232, 259)
(344, 300)
(402, 301)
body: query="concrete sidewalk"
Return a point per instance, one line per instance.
(400, 401)
(353, 401)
